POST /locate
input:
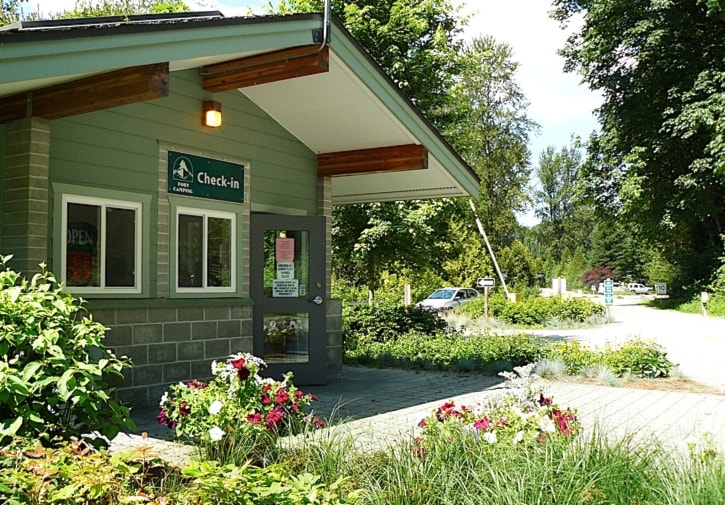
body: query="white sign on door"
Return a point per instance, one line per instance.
(285, 270)
(285, 288)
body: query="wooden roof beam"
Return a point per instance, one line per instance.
(264, 68)
(89, 94)
(367, 161)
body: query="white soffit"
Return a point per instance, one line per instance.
(334, 111)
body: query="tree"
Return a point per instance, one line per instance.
(98, 8)
(659, 160)
(491, 131)
(10, 11)
(415, 41)
(368, 239)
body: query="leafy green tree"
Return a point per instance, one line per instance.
(98, 8)
(368, 239)
(573, 270)
(491, 131)
(415, 41)
(10, 11)
(659, 160)
(518, 265)
(566, 219)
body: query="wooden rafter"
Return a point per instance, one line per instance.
(89, 94)
(264, 68)
(365, 161)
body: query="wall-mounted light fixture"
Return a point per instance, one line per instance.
(211, 114)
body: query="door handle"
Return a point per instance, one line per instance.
(317, 300)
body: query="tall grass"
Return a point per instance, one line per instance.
(592, 469)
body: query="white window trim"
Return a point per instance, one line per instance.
(206, 214)
(103, 203)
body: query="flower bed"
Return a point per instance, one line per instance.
(238, 415)
(522, 414)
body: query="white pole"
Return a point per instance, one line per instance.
(490, 250)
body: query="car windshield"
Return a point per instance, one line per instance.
(443, 294)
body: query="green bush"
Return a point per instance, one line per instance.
(574, 354)
(73, 474)
(53, 365)
(640, 358)
(383, 322)
(481, 353)
(534, 311)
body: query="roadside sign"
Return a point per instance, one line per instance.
(486, 282)
(608, 292)
(661, 288)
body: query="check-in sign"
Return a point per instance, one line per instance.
(200, 177)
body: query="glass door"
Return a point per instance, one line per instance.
(288, 288)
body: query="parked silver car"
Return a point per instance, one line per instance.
(448, 298)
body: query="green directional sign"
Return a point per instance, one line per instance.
(608, 292)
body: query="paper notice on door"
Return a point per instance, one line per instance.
(285, 288)
(286, 270)
(285, 250)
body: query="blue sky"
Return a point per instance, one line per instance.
(559, 104)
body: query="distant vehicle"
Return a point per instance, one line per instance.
(448, 298)
(640, 289)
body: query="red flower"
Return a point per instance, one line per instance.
(243, 374)
(254, 418)
(272, 419)
(184, 409)
(482, 424)
(266, 400)
(282, 395)
(422, 424)
(238, 363)
(196, 384)
(319, 423)
(543, 401)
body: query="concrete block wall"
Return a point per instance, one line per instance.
(172, 344)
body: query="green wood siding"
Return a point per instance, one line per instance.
(118, 148)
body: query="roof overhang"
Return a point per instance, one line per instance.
(351, 107)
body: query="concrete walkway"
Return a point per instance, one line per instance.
(381, 405)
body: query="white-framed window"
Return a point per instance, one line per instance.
(205, 251)
(101, 245)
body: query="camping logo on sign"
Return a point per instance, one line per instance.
(183, 170)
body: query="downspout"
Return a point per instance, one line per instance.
(326, 24)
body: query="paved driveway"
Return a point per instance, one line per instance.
(695, 342)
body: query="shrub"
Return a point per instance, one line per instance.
(480, 353)
(53, 365)
(383, 322)
(534, 311)
(72, 473)
(573, 353)
(237, 415)
(639, 358)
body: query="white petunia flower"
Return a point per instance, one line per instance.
(490, 437)
(547, 425)
(215, 407)
(164, 397)
(518, 437)
(216, 434)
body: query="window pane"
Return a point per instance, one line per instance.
(83, 264)
(219, 252)
(190, 246)
(287, 338)
(120, 247)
